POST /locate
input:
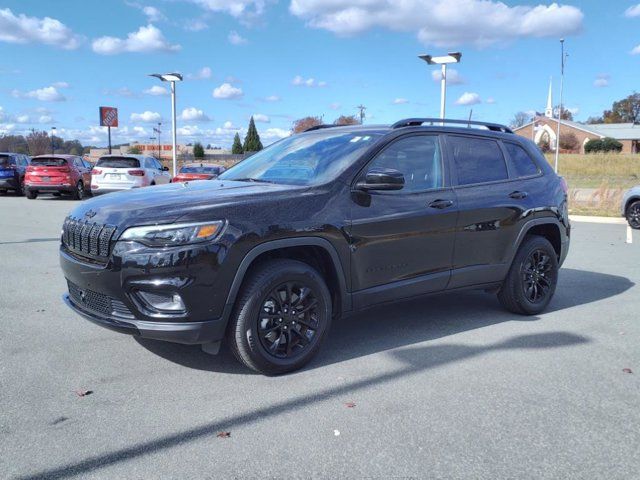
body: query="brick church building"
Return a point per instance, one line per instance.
(543, 128)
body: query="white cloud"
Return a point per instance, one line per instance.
(300, 81)
(146, 117)
(228, 125)
(272, 134)
(235, 8)
(45, 94)
(153, 14)
(573, 110)
(261, 117)
(23, 29)
(335, 106)
(468, 98)
(195, 25)
(156, 90)
(602, 80)
(490, 101)
(400, 101)
(633, 11)
(453, 77)
(144, 40)
(23, 119)
(442, 23)
(272, 98)
(236, 39)
(45, 119)
(636, 50)
(203, 74)
(227, 91)
(192, 114)
(61, 85)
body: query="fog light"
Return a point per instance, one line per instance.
(163, 302)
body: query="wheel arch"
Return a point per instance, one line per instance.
(316, 252)
(549, 228)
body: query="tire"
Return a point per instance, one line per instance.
(532, 278)
(20, 188)
(633, 214)
(31, 195)
(56, 194)
(267, 335)
(3, 192)
(78, 193)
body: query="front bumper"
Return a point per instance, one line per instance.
(190, 333)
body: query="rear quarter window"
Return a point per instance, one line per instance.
(118, 162)
(522, 165)
(477, 160)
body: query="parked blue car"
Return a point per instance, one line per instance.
(13, 166)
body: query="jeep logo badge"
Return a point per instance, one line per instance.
(83, 296)
(90, 213)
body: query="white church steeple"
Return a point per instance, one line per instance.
(548, 112)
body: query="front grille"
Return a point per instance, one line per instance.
(97, 302)
(87, 239)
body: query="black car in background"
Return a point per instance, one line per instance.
(317, 226)
(13, 166)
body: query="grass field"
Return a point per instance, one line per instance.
(606, 176)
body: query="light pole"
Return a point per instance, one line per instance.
(53, 134)
(562, 58)
(443, 61)
(172, 78)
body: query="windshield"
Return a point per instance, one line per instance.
(49, 162)
(209, 170)
(118, 162)
(307, 159)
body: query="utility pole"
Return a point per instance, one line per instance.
(158, 131)
(362, 108)
(562, 58)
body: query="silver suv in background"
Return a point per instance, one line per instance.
(631, 207)
(113, 173)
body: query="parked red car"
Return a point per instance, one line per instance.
(198, 172)
(58, 174)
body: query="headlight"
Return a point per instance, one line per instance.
(175, 234)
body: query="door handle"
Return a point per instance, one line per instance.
(440, 204)
(518, 195)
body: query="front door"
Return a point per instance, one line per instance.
(402, 241)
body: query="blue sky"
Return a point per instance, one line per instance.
(281, 60)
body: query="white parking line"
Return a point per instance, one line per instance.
(629, 234)
(585, 218)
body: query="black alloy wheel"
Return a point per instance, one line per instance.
(633, 215)
(536, 276)
(78, 193)
(288, 320)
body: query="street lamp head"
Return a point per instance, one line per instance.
(168, 77)
(443, 59)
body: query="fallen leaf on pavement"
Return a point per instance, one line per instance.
(627, 370)
(83, 393)
(223, 434)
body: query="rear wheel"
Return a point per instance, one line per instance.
(282, 315)
(20, 188)
(633, 215)
(532, 278)
(78, 193)
(31, 195)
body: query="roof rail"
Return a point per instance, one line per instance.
(320, 127)
(414, 122)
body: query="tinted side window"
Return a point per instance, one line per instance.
(521, 163)
(419, 160)
(477, 160)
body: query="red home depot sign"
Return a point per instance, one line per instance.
(108, 117)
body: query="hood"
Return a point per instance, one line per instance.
(168, 203)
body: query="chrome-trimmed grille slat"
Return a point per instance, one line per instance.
(88, 239)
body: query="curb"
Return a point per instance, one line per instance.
(588, 219)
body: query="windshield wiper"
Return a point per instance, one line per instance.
(248, 179)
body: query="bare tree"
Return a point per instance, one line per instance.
(305, 123)
(520, 119)
(38, 142)
(346, 120)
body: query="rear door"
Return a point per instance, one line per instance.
(402, 241)
(7, 167)
(491, 209)
(83, 171)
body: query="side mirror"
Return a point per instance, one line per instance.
(382, 179)
(165, 169)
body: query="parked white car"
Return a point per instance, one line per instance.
(113, 173)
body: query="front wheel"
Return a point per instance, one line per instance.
(282, 315)
(633, 215)
(78, 193)
(532, 278)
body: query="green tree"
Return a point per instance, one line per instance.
(252, 141)
(134, 150)
(236, 149)
(626, 110)
(198, 151)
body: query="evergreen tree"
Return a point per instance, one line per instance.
(237, 145)
(198, 151)
(252, 141)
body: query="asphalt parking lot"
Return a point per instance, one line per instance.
(444, 387)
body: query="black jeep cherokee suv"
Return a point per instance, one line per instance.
(318, 225)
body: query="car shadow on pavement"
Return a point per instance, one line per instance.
(412, 361)
(406, 323)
